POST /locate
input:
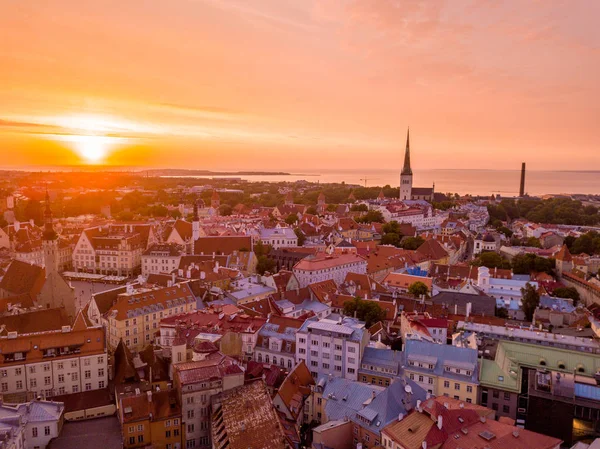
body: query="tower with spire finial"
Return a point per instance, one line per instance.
(195, 223)
(406, 176)
(50, 239)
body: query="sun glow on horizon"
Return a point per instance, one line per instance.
(92, 148)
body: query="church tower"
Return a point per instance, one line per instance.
(195, 223)
(55, 292)
(406, 176)
(50, 240)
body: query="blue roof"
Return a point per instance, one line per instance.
(416, 271)
(381, 357)
(439, 356)
(559, 304)
(587, 391)
(387, 405)
(345, 397)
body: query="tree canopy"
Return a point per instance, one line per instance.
(368, 311)
(418, 289)
(530, 301)
(371, 217)
(567, 292)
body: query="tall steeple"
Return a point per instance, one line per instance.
(406, 170)
(49, 233)
(406, 174)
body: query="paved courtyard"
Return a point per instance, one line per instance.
(100, 433)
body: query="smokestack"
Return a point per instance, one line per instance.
(522, 190)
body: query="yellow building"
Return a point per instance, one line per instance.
(443, 370)
(151, 419)
(136, 314)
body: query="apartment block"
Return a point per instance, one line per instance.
(333, 345)
(43, 355)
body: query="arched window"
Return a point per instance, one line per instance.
(267, 358)
(260, 357)
(274, 360)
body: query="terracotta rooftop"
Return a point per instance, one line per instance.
(246, 418)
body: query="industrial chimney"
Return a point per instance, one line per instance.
(522, 189)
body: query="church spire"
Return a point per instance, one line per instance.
(49, 233)
(406, 170)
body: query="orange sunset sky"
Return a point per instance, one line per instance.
(300, 84)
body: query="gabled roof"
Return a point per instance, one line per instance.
(564, 254)
(35, 321)
(22, 277)
(222, 245)
(295, 388)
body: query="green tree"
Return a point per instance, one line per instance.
(371, 217)
(501, 312)
(300, 235)
(491, 260)
(312, 210)
(526, 263)
(392, 227)
(504, 230)
(359, 208)
(412, 243)
(331, 207)
(391, 238)
(368, 311)
(530, 301)
(291, 219)
(418, 289)
(225, 210)
(567, 292)
(264, 265)
(533, 242)
(260, 249)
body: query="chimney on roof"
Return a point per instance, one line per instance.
(440, 422)
(424, 445)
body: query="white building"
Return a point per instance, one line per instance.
(115, 249)
(161, 258)
(333, 345)
(276, 342)
(324, 267)
(30, 425)
(279, 237)
(506, 292)
(41, 357)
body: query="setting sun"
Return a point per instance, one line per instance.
(92, 148)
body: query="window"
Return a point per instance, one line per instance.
(351, 349)
(101, 384)
(88, 387)
(140, 438)
(190, 428)
(88, 374)
(4, 386)
(469, 400)
(469, 389)
(190, 414)
(175, 432)
(32, 369)
(420, 378)
(100, 359)
(74, 376)
(506, 408)
(496, 394)
(140, 427)
(495, 406)
(101, 372)
(47, 380)
(351, 370)
(19, 384)
(47, 430)
(430, 380)
(338, 347)
(131, 429)
(18, 371)
(34, 432)
(446, 384)
(338, 368)
(73, 363)
(167, 434)
(75, 388)
(506, 396)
